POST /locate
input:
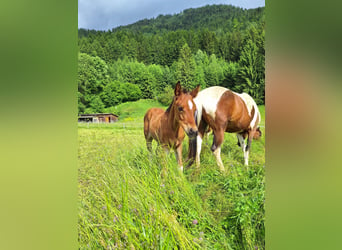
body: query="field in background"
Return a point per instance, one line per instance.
(129, 199)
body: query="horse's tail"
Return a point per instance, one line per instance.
(192, 151)
(146, 123)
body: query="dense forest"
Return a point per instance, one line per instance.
(212, 45)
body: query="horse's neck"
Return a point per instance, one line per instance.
(171, 121)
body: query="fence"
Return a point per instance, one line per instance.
(116, 125)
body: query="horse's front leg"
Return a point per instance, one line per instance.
(201, 132)
(216, 147)
(198, 149)
(178, 152)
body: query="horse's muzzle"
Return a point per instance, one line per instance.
(192, 133)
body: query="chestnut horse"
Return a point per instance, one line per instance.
(225, 111)
(167, 127)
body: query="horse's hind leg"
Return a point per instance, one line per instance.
(149, 143)
(248, 146)
(245, 149)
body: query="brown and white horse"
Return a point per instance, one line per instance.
(168, 127)
(225, 111)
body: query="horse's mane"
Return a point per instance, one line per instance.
(169, 108)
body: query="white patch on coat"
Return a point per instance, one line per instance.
(190, 104)
(208, 99)
(250, 103)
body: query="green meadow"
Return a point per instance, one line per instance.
(130, 199)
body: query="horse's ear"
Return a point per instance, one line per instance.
(178, 89)
(195, 91)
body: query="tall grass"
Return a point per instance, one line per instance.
(129, 199)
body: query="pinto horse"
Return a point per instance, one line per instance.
(225, 111)
(168, 127)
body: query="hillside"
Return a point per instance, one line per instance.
(211, 17)
(217, 45)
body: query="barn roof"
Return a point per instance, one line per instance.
(96, 114)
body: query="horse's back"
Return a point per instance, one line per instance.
(208, 99)
(237, 110)
(153, 113)
(151, 120)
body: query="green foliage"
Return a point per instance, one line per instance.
(116, 92)
(185, 68)
(136, 73)
(210, 17)
(212, 45)
(92, 78)
(251, 75)
(166, 96)
(96, 105)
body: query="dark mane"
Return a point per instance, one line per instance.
(169, 108)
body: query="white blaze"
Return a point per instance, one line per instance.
(190, 104)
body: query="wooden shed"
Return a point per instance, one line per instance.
(98, 118)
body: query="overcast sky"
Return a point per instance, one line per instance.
(108, 14)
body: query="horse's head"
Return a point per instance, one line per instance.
(185, 109)
(257, 134)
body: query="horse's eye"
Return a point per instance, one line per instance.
(180, 109)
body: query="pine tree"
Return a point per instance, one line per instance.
(186, 68)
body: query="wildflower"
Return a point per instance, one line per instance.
(134, 210)
(120, 206)
(104, 207)
(195, 222)
(172, 192)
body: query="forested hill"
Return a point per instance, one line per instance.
(212, 45)
(212, 17)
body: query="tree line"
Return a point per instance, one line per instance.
(146, 59)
